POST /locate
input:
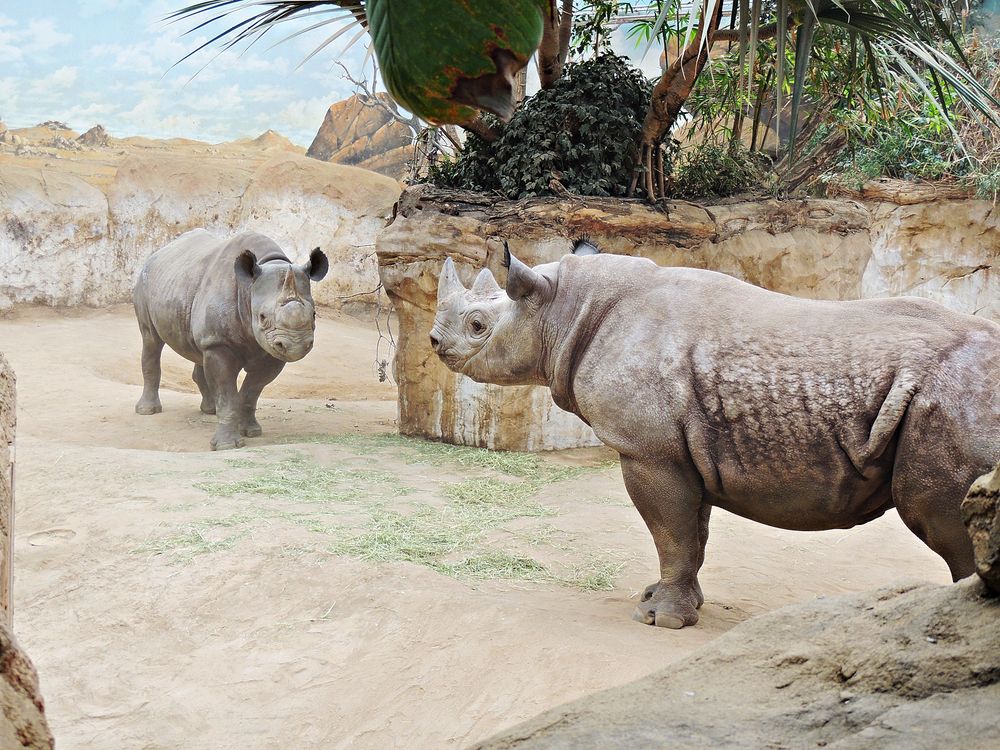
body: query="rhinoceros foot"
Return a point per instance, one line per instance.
(648, 592)
(251, 429)
(226, 441)
(148, 407)
(207, 407)
(669, 606)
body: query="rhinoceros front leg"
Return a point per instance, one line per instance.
(221, 370)
(669, 499)
(152, 347)
(255, 382)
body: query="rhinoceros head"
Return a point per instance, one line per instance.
(490, 334)
(283, 315)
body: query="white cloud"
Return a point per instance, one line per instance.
(59, 80)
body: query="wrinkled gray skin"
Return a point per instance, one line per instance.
(795, 413)
(226, 305)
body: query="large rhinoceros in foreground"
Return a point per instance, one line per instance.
(226, 305)
(800, 414)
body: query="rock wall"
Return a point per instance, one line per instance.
(8, 423)
(823, 249)
(66, 240)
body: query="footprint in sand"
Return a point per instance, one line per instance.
(50, 536)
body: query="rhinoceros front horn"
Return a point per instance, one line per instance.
(521, 280)
(448, 282)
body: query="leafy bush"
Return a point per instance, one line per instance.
(581, 131)
(713, 171)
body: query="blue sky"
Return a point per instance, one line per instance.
(109, 62)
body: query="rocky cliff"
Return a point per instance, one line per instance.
(76, 227)
(361, 132)
(829, 249)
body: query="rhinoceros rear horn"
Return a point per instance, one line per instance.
(246, 266)
(485, 284)
(317, 266)
(521, 280)
(448, 282)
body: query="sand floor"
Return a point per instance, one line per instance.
(330, 585)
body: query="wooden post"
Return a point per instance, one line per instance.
(8, 419)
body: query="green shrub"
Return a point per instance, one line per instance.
(713, 171)
(583, 131)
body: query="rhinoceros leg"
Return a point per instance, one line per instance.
(253, 384)
(152, 347)
(669, 499)
(221, 370)
(704, 515)
(207, 397)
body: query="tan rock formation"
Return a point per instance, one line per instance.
(981, 511)
(900, 668)
(22, 711)
(363, 135)
(828, 249)
(76, 231)
(96, 137)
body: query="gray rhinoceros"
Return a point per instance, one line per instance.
(226, 305)
(800, 414)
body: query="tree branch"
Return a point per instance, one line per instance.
(768, 31)
(565, 32)
(480, 127)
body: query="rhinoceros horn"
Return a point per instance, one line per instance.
(288, 291)
(521, 280)
(485, 284)
(449, 283)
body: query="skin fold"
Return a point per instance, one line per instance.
(227, 306)
(799, 414)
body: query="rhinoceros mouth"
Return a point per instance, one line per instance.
(289, 346)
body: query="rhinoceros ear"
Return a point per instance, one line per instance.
(317, 266)
(485, 284)
(521, 280)
(246, 267)
(448, 282)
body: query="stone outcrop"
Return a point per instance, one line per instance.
(981, 512)
(96, 137)
(361, 133)
(902, 668)
(69, 237)
(818, 248)
(22, 711)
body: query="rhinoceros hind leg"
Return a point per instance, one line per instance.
(670, 502)
(253, 384)
(207, 397)
(152, 347)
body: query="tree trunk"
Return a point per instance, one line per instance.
(669, 95)
(549, 64)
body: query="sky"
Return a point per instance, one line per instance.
(113, 62)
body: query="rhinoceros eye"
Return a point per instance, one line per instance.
(477, 326)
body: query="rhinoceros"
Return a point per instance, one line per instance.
(795, 413)
(225, 305)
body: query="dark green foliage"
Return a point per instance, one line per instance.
(583, 131)
(713, 171)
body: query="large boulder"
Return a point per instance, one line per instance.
(911, 667)
(981, 511)
(817, 248)
(360, 131)
(96, 137)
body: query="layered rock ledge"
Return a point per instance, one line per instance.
(818, 248)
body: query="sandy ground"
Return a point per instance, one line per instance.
(171, 597)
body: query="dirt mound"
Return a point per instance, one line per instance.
(901, 667)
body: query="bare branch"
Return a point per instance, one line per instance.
(384, 103)
(480, 127)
